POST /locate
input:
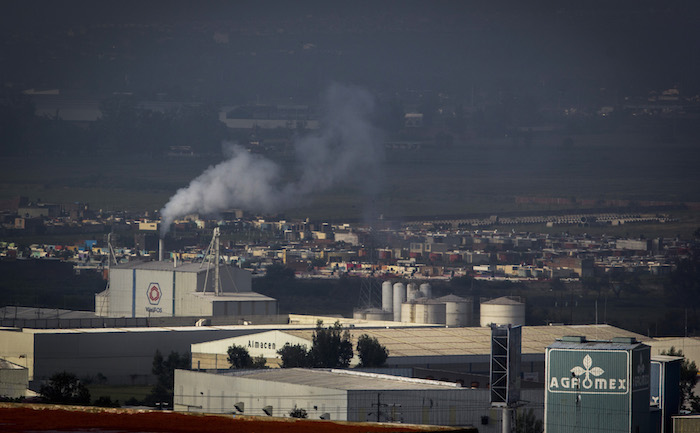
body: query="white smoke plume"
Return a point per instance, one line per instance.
(346, 150)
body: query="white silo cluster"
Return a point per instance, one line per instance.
(413, 303)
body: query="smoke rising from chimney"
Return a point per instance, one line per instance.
(346, 150)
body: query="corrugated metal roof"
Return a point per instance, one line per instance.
(30, 313)
(233, 296)
(342, 379)
(471, 341)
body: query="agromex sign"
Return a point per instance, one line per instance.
(588, 372)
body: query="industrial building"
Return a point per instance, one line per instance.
(455, 354)
(594, 386)
(162, 289)
(213, 354)
(344, 395)
(125, 355)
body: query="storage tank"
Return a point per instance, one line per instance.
(426, 290)
(423, 311)
(502, 311)
(387, 297)
(411, 292)
(399, 298)
(458, 311)
(380, 315)
(372, 314)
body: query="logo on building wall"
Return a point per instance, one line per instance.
(153, 293)
(587, 378)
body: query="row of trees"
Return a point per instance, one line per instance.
(331, 348)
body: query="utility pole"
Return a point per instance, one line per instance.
(379, 407)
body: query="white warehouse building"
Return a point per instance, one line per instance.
(161, 289)
(342, 395)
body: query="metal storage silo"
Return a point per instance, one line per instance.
(423, 311)
(408, 312)
(433, 312)
(359, 314)
(411, 291)
(399, 298)
(458, 311)
(377, 314)
(427, 290)
(387, 299)
(502, 311)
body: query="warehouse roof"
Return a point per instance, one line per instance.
(342, 379)
(29, 313)
(232, 296)
(402, 342)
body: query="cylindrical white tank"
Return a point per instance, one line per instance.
(359, 314)
(399, 298)
(458, 313)
(423, 312)
(502, 311)
(387, 298)
(411, 292)
(426, 290)
(411, 289)
(408, 312)
(377, 314)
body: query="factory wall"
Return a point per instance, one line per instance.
(216, 393)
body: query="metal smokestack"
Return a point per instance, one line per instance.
(161, 247)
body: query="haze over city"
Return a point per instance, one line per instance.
(221, 180)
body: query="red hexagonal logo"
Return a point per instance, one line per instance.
(153, 293)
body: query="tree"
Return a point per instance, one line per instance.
(164, 370)
(331, 347)
(689, 378)
(65, 388)
(259, 362)
(294, 356)
(371, 353)
(239, 357)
